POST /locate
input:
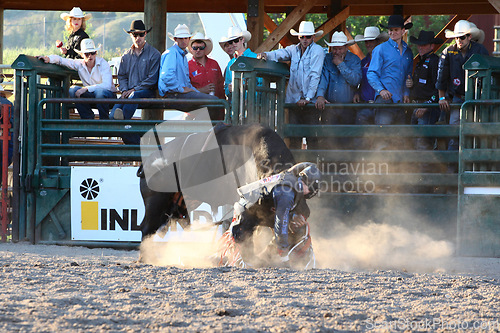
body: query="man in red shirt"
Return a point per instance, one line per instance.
(204, 72)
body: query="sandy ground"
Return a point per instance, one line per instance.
(58, 289)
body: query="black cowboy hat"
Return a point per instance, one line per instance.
(397, 21)
(137, 26)
(425, 37)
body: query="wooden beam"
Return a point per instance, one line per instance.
(271, 26)
(354, 48)
(450, 25)
(255, 25)
(495, 4)
(290, 20)
(329, 25)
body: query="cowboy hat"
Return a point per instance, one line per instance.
(76, 12)
(397, 21)
(462, 28)
(200, 37)
(306, 28)
(425, 37)
(372, 33)
(137, 26)
(86, 46)
(180, 31)
(5, 92)
(340, 39)
(236, 32)
(479, 37)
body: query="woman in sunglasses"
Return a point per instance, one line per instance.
(238, 39)
(75, 25)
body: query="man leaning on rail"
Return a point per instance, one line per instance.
(340, 78)
(305, 72)
(392, 63)
(95, 75)
(451, 75)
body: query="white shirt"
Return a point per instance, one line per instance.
(99, 78)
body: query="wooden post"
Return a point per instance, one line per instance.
(255, 23)
(1, 36)
(155, 16)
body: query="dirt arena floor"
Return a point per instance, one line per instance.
(75, 289)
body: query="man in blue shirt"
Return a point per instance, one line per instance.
(339, 81)
(306, 59)
(366, 94)
(392, 63)
(174, 71)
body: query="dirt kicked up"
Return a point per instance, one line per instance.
(60, 289)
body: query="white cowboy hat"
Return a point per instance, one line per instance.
(7, 93)
(87, 45)
(306, 28)
(372, 33)
(236, 32)
(181, 31)
(76, 12)
(199, 36)
(462, 28)
(340, 39)
(479, 37)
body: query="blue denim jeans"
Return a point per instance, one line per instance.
(213, 111)
(364, 117)
(283, 202)
(389, 116)
(338, 117)
(430, 117)
(453, 143)
(129, 109)
(128, 112)
(85, 110)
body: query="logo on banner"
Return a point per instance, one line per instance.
(109, 217)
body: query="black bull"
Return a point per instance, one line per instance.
(211, 175)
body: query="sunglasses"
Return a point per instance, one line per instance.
(306, 37)
(88, 54)
(237, 40)
(463, 37)
(196, 48)
(139, 34)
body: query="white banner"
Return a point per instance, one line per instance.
(106, 205)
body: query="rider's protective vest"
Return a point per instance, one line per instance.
(253, 192)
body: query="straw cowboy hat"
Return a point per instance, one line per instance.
(181, 31)
(5, 92)
(425, 37)
(306, 28)
(462, 28)
(340, 39)
(372, 33)
(236, 32)
(199, 36)
(137, 26)
(479, 38)
(86, 46)
(397, 21)
(76, 12)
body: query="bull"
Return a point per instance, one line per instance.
(178, 173)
